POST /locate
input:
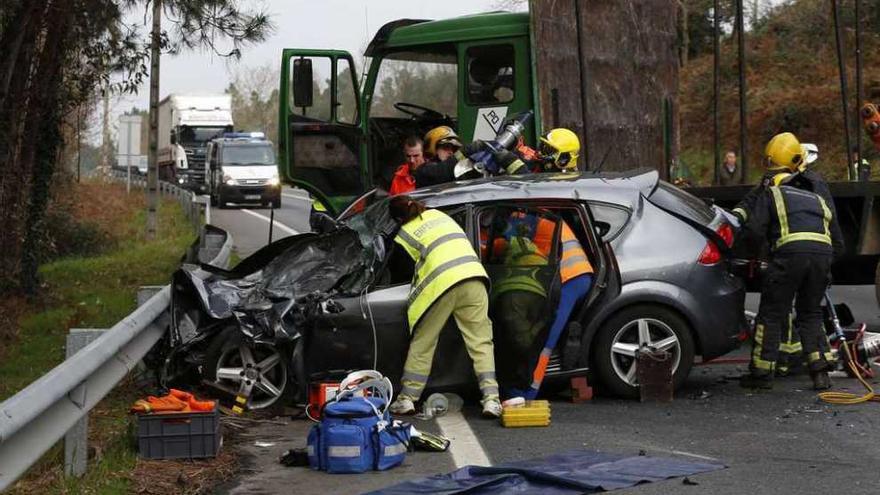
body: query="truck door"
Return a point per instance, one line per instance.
(320, 139)
(495, 83)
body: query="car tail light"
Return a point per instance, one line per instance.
(711, 254)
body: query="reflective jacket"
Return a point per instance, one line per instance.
(444, 257)
(793, 220)
(574, 259)
(808, 180)
(523, 263)
(403, 181)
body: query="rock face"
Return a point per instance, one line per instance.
(608, 69)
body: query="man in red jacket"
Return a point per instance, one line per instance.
(403, 181)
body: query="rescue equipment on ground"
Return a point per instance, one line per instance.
(320, 393)
(356, 432)
(438, 404)
(529, 413)
(173, 402)
(429, 442)
(855, 358)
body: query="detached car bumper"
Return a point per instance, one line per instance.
(250, 194)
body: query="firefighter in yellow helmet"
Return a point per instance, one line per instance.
(449, 282)
(796, 224)
(558, 151)
(443, 150)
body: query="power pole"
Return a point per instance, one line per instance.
(105, 135)
(153, 152)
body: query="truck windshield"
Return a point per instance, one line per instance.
(248, 154)
(425, 79)
(199, 135)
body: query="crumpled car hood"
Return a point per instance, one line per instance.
(341, 262)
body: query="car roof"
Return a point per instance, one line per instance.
(622, 188)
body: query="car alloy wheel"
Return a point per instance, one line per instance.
(257, 372)
(639, 335)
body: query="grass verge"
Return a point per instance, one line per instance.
(93, 292)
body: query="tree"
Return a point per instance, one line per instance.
(254, 92)
(55, 53)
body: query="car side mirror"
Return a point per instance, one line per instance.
(302, 82)
(602, 228)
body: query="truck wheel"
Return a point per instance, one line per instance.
(276, 203)
(221, 201)
(634, 327)
(213, 200)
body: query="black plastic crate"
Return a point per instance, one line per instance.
(191, 435)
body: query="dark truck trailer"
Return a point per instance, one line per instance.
(859, 214)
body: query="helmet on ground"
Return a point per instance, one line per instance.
(784, 152)
(561, 146)
(781, 178)
(443, 135)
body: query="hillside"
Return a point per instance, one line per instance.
(792, 83)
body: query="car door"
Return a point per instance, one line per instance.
(371, 330)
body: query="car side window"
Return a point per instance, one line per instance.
(609, 217)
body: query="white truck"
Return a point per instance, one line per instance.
(186, 124)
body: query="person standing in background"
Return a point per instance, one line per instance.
(731, 174)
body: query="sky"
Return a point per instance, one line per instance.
(339, 24)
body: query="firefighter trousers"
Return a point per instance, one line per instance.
(798, 278)
(468, 303)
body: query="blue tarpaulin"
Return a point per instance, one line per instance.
(568, 473)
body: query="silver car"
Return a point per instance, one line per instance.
(661, 282)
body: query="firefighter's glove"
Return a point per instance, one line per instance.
(510, 162)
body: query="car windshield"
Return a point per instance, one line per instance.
(421, 78)
(248, 154)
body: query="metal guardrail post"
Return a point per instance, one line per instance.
(76, 440)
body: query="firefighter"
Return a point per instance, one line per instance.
(796, 224)
(558, 152)
(520, 309)
(790, 349)
(449, 280)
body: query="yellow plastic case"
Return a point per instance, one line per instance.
(533, 413)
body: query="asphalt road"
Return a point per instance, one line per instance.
(783, 441)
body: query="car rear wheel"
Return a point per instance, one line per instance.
(257, 371)
(641, 327)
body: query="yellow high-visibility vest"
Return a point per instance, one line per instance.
(443, 256)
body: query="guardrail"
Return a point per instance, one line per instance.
(192, 204)
(37, 417)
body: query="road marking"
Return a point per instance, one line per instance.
(688, 454)
(294, 196)
(464, 446)
(278, 225)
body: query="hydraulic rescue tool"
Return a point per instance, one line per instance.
(508, 138)
(854, 351)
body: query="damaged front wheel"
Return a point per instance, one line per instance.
(237, 367)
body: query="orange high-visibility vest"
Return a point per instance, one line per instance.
(574, 259)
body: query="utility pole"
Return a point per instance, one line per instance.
(743, 122)
(152, 160)
(105, 135)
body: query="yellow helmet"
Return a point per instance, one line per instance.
(562, 147)
(440, 135)
(781, 178)
(784, 152)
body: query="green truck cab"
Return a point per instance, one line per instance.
(339, 139)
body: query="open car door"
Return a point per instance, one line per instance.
(320, 132)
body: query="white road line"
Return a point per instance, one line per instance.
(464, 445)
(688, 454)
(278, 225)
(294, 196)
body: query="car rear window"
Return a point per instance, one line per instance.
(674, 199)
